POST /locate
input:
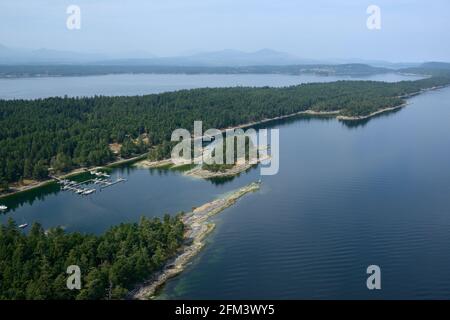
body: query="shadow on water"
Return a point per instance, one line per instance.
(29, 197)
(125, 169)
(308, 118)
(15, 201)
(286, 121)
(165, 171)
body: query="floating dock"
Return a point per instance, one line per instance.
(103, 180)
(109, 184)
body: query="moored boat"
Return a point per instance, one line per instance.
(88, 192)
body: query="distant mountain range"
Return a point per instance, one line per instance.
(43, 56)
(223, 58)
(16, 62)
(430, 68)
(217, 58)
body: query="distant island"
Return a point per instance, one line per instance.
(63, 70)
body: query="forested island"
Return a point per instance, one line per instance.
(62, 134)
(60, 70)
(33, 265)
(57, 135)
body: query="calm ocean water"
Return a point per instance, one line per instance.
(139, 84)
(346, 196)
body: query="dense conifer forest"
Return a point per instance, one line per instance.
(67, 133)
(34, 265)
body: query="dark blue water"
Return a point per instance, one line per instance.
(146, 193)
(346, 197)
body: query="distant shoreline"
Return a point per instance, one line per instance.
(356, 118)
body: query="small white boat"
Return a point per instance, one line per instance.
(88, 192)
(23, 226)
(3, 208)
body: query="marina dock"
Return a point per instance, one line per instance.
(103, 180)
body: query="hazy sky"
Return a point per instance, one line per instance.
(411, 30)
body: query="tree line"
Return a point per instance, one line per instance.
(34, 265)
(66, 133)
(10, 71)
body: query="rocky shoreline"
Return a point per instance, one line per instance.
(197, 228)
(239, 167)
(356, 118)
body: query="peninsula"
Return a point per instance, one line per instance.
(197, 228)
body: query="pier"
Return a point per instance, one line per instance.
(103, 180)
(109, 184)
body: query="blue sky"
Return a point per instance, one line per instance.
(410, 30)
